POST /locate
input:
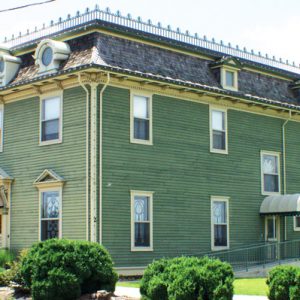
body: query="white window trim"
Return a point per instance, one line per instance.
(294, 221)
(134, 193)
(222, 109)
(277, 154)
(212, 200)
(2, 127)
(132, 139)
(45, 97)
(223, 78)
(58, 189)
(277, 218)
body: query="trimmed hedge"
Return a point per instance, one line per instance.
(64, 269)
(188, 278)
(284, 283)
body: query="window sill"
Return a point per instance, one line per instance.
(230, 88)
(142, 249)
(220, 248)
(219, 151)
(52, 142)
(297, 229)
(141, 142)
(270, 193)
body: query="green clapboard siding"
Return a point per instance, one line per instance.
(183, 175)
(24, 159)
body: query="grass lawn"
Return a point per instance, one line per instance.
(252, 286)
(135, 284)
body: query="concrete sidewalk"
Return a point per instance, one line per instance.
(134, 294)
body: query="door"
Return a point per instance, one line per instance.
(272, 236)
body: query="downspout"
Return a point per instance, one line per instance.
(284, 164)
(100, 157)
(87, 156)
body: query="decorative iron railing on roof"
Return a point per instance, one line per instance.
(148, 27)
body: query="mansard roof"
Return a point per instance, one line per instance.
(192, 67)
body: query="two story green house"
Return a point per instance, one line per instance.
(149, 141)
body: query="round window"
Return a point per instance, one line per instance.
(1, 66)
(47, 56)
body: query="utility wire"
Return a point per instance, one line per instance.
(27, 5)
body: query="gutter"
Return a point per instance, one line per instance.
(284, 164)
(87, 151)
(100, 155)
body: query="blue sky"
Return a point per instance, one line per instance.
(269, 26)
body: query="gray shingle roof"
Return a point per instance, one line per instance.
(124, 55)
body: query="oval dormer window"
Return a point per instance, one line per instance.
(47, 56)
(50, 54)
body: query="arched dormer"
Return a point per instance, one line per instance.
(9, 66)
(49, 55)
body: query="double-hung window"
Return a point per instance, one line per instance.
(270, 177)
(50, 223)
(141, 119)
(1, 126)
(51, 123)
(141, 221)
(219, 220)
(218, 130)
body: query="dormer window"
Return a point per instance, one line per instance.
(9, 66)
(47, 56)
(227, 70)
(229, 79)
(50, 54)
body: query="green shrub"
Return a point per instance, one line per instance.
(284, 283)
(188, 278)
(83, 267)
(12, 273)
(6, 257)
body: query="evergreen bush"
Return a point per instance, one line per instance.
(188, 278)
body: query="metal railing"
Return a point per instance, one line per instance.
(150, 28)
(270, 253)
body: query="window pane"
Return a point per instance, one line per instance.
(141, 208)
(220, 235)
(50, 130)
(271, 183)
(297, 221)
(49, 229)
(219, 210)
(142, 235)
(271, 227)
(218, 120)
(140, 107)
(141, 129)
(50, 205)
(270, 164)
(229, 78)
(51, 109)
(219, 140)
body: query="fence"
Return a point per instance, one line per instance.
(81, 19)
